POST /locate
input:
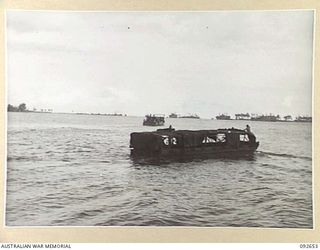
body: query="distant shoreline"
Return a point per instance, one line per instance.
(121, 115)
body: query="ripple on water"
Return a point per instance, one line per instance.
(76, 171)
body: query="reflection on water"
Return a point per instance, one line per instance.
(72, 170)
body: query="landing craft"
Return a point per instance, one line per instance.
(153, 120)
(171, 142)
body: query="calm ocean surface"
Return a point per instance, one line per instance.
(76, 170)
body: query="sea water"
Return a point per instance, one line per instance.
(76, 170)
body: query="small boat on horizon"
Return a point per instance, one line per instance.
(173, 115)
(195, 116)
(223, 117)
(266, 118)
(303, 119)
(153, 120)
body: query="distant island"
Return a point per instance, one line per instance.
(23, 108)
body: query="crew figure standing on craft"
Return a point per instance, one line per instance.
(252, 137)
(248, 129)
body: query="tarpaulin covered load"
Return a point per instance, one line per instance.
(169, 140)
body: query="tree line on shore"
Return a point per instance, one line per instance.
(21, 108)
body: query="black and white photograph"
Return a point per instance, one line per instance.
(159, 118)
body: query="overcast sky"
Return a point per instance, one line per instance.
(161, 62)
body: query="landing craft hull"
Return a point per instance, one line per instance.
(153, 124)
(195, 143)
(197, 152)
